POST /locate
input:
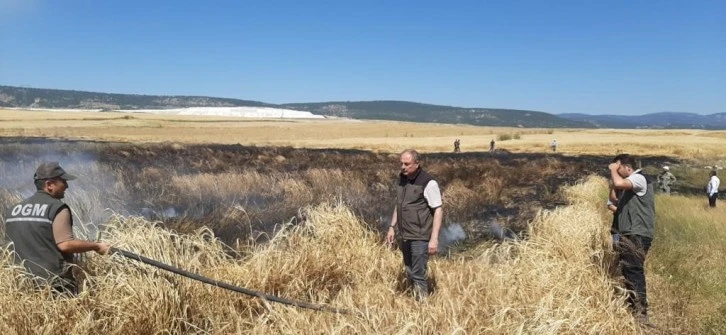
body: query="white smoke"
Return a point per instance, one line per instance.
(449, 235)
(85, 195)
(501, 233)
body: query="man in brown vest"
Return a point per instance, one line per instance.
(41, 229)
(417, 216)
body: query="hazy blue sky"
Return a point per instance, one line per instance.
(618, 57)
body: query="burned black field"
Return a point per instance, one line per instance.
(310, 248)
(244, 193)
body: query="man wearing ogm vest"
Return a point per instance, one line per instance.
(417, 216)
(41, 231)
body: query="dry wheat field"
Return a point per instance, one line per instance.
(383, 136)
(295, 208)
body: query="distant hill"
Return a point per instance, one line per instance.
(418, 112)
(11, 96)
(664, 120)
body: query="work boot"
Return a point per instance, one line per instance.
(642, 319)
(419, 293)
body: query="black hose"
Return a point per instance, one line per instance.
(300, 304)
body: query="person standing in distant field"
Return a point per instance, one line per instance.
(665, 180)
(491, 145)
(634, 226)
(553, 145)
(418, 215)
(712, 189)
(457, 145)
(41, 231)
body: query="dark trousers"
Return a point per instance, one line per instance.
(633, 249)
(415, 259)
(59, 286)
(65, 289)
(712, 200)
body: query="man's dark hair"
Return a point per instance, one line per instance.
(713, 172)
(625, 159)
(40, 183)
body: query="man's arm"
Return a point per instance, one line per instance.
(612, 208)
(78, 246)
(434, 241)
(619, 182)
(432, 193)
(612, 198)
(612, 194)
(390, 236)
(63, 235)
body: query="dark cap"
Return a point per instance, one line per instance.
(50, 170)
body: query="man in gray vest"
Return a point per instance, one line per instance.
(417, 216)
(41, 231)
(634, 224)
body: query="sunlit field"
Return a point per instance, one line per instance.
(382, 136)
(552, 283)
(296, 209)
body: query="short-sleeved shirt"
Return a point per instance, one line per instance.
(640, 185)
(432, 193)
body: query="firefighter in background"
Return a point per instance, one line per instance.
(553, 145)
(665, 180)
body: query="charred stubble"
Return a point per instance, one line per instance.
(243, 193)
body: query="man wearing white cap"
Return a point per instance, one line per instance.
(665, 180)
